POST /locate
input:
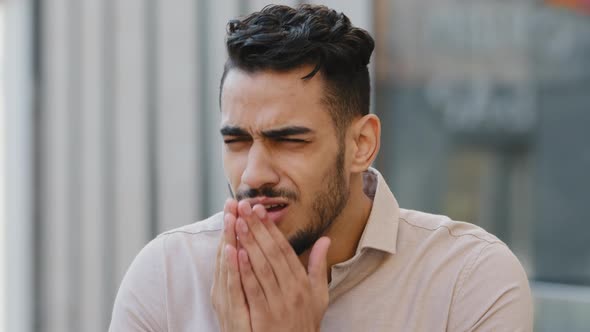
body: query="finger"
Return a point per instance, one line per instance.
(252, 288)
(229, 238)
(318, 265)
(226, 205)
(229, 233)
(266, 243)
(230, 206)
(292, 260)
(220, 257)
(217, 297)
(236, 298)
(270, 246)
(218, 293)
(221, 246)
(229, 217)
(260, 265)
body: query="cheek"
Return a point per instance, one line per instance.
(303, 163)
(307, 171)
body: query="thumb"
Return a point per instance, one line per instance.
(318, 265)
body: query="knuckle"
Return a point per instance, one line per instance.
(298, 300)
(285, 247)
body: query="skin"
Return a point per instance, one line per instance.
(260, 283)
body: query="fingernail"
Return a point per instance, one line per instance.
(260, 212)
(246, 209)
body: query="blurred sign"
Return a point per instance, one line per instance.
(482, 38)
(484, 111)
(480, 27)
(481, 76)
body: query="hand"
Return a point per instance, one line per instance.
(227, 296)
(281, 295)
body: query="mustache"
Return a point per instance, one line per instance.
(266, 192)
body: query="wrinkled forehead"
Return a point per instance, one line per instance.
(264, 99)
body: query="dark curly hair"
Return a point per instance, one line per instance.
(283, 38)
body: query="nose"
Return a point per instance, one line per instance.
(259, 171)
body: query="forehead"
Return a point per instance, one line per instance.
(265, 99)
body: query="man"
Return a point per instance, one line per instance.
(312, 237)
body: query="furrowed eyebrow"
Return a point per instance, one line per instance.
(271, 133)
(233, 131)
(286, 131)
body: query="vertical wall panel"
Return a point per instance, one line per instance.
(55, 292)
(17, 194)
(130, 133)
(108, 153)
(74, 150)
(92, 219)
(177, 64)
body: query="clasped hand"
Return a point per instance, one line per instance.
(260, 284)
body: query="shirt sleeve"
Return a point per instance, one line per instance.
(140, 303)
(492, 293)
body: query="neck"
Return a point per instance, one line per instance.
(346, 231)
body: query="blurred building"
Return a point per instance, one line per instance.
(488, 104)
(112, 136)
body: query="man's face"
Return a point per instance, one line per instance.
(281, 150)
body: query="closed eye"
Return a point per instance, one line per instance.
(292, 140)
(236, 140)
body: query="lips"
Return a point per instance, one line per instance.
(277, 214)
(276, 208)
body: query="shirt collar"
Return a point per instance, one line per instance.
(381, 229)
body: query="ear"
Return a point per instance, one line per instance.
(367, 139)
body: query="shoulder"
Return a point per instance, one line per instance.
(444, 238)
(203, 234)
(465, 247)
(192, 246)
(184, 255)
(490, 287)
(212, 224)
(492, 293)
(426, 224)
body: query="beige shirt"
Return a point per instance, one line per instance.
(412, 271)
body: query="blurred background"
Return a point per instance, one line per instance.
(109, 135)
